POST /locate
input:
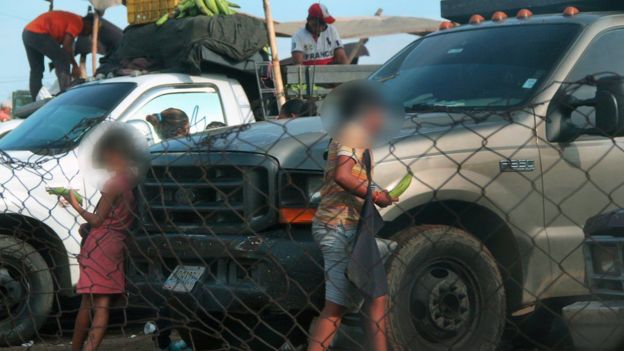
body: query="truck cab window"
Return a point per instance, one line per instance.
(61, 123)
(603, 57)
(496, 68)
(202, 108)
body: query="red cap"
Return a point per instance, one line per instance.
(320, 11)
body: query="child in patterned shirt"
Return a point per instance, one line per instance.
(336, 220)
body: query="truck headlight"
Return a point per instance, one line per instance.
(604, 259)
(299, 196)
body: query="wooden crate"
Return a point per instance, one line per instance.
(148, 11)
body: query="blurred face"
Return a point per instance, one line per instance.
(373, 121)
(114, 161)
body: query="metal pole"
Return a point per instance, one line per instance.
(277, 69)
(94, 40)
(51, 5)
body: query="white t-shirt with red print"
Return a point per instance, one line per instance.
(317, 51)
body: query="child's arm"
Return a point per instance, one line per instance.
(103, 209)
(345, 178)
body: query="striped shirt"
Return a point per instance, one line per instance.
(338, 206)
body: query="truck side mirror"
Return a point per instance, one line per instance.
(609, 104)
(559, 126)
(144, 128)
(609, 112)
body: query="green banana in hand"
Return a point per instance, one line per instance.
(401, 187)
(64, 192)
(233, 5)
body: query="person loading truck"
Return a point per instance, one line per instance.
(318, 43)
(52, 34)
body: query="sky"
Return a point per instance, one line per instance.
(15, 14)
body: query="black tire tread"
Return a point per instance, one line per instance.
(412, 240)
(11, 333)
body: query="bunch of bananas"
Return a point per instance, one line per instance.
(190, 8)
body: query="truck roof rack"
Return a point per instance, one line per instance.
(461, 10)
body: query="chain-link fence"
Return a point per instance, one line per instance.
(483, 251)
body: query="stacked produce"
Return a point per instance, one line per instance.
(190, 8)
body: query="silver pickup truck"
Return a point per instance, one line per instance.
(513, 138)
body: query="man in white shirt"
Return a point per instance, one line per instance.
(319, 42)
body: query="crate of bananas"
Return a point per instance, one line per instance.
(190, 8)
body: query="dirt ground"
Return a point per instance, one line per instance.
(126, 334)
(130, 339)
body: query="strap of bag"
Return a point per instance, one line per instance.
(366, 158)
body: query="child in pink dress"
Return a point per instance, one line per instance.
(101, 257)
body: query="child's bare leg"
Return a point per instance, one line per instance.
(81, 326)
(101, 304)
(326, 327)
(375, 323)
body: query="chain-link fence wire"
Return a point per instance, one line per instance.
(482, 252)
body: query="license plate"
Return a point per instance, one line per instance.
(184, 278)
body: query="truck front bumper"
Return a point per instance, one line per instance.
(275, 271)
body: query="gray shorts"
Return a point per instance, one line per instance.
(336, 244)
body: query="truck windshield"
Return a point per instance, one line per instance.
(489, 67)
(62, 122)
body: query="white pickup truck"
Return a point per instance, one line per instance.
(38, 234)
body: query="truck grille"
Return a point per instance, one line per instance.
(187, 196)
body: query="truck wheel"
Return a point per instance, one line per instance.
(26, 291)
(445, 292)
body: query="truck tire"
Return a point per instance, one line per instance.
(445, 292)
(26, 291)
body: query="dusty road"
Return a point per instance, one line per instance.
(126, 334)
(117, 339)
